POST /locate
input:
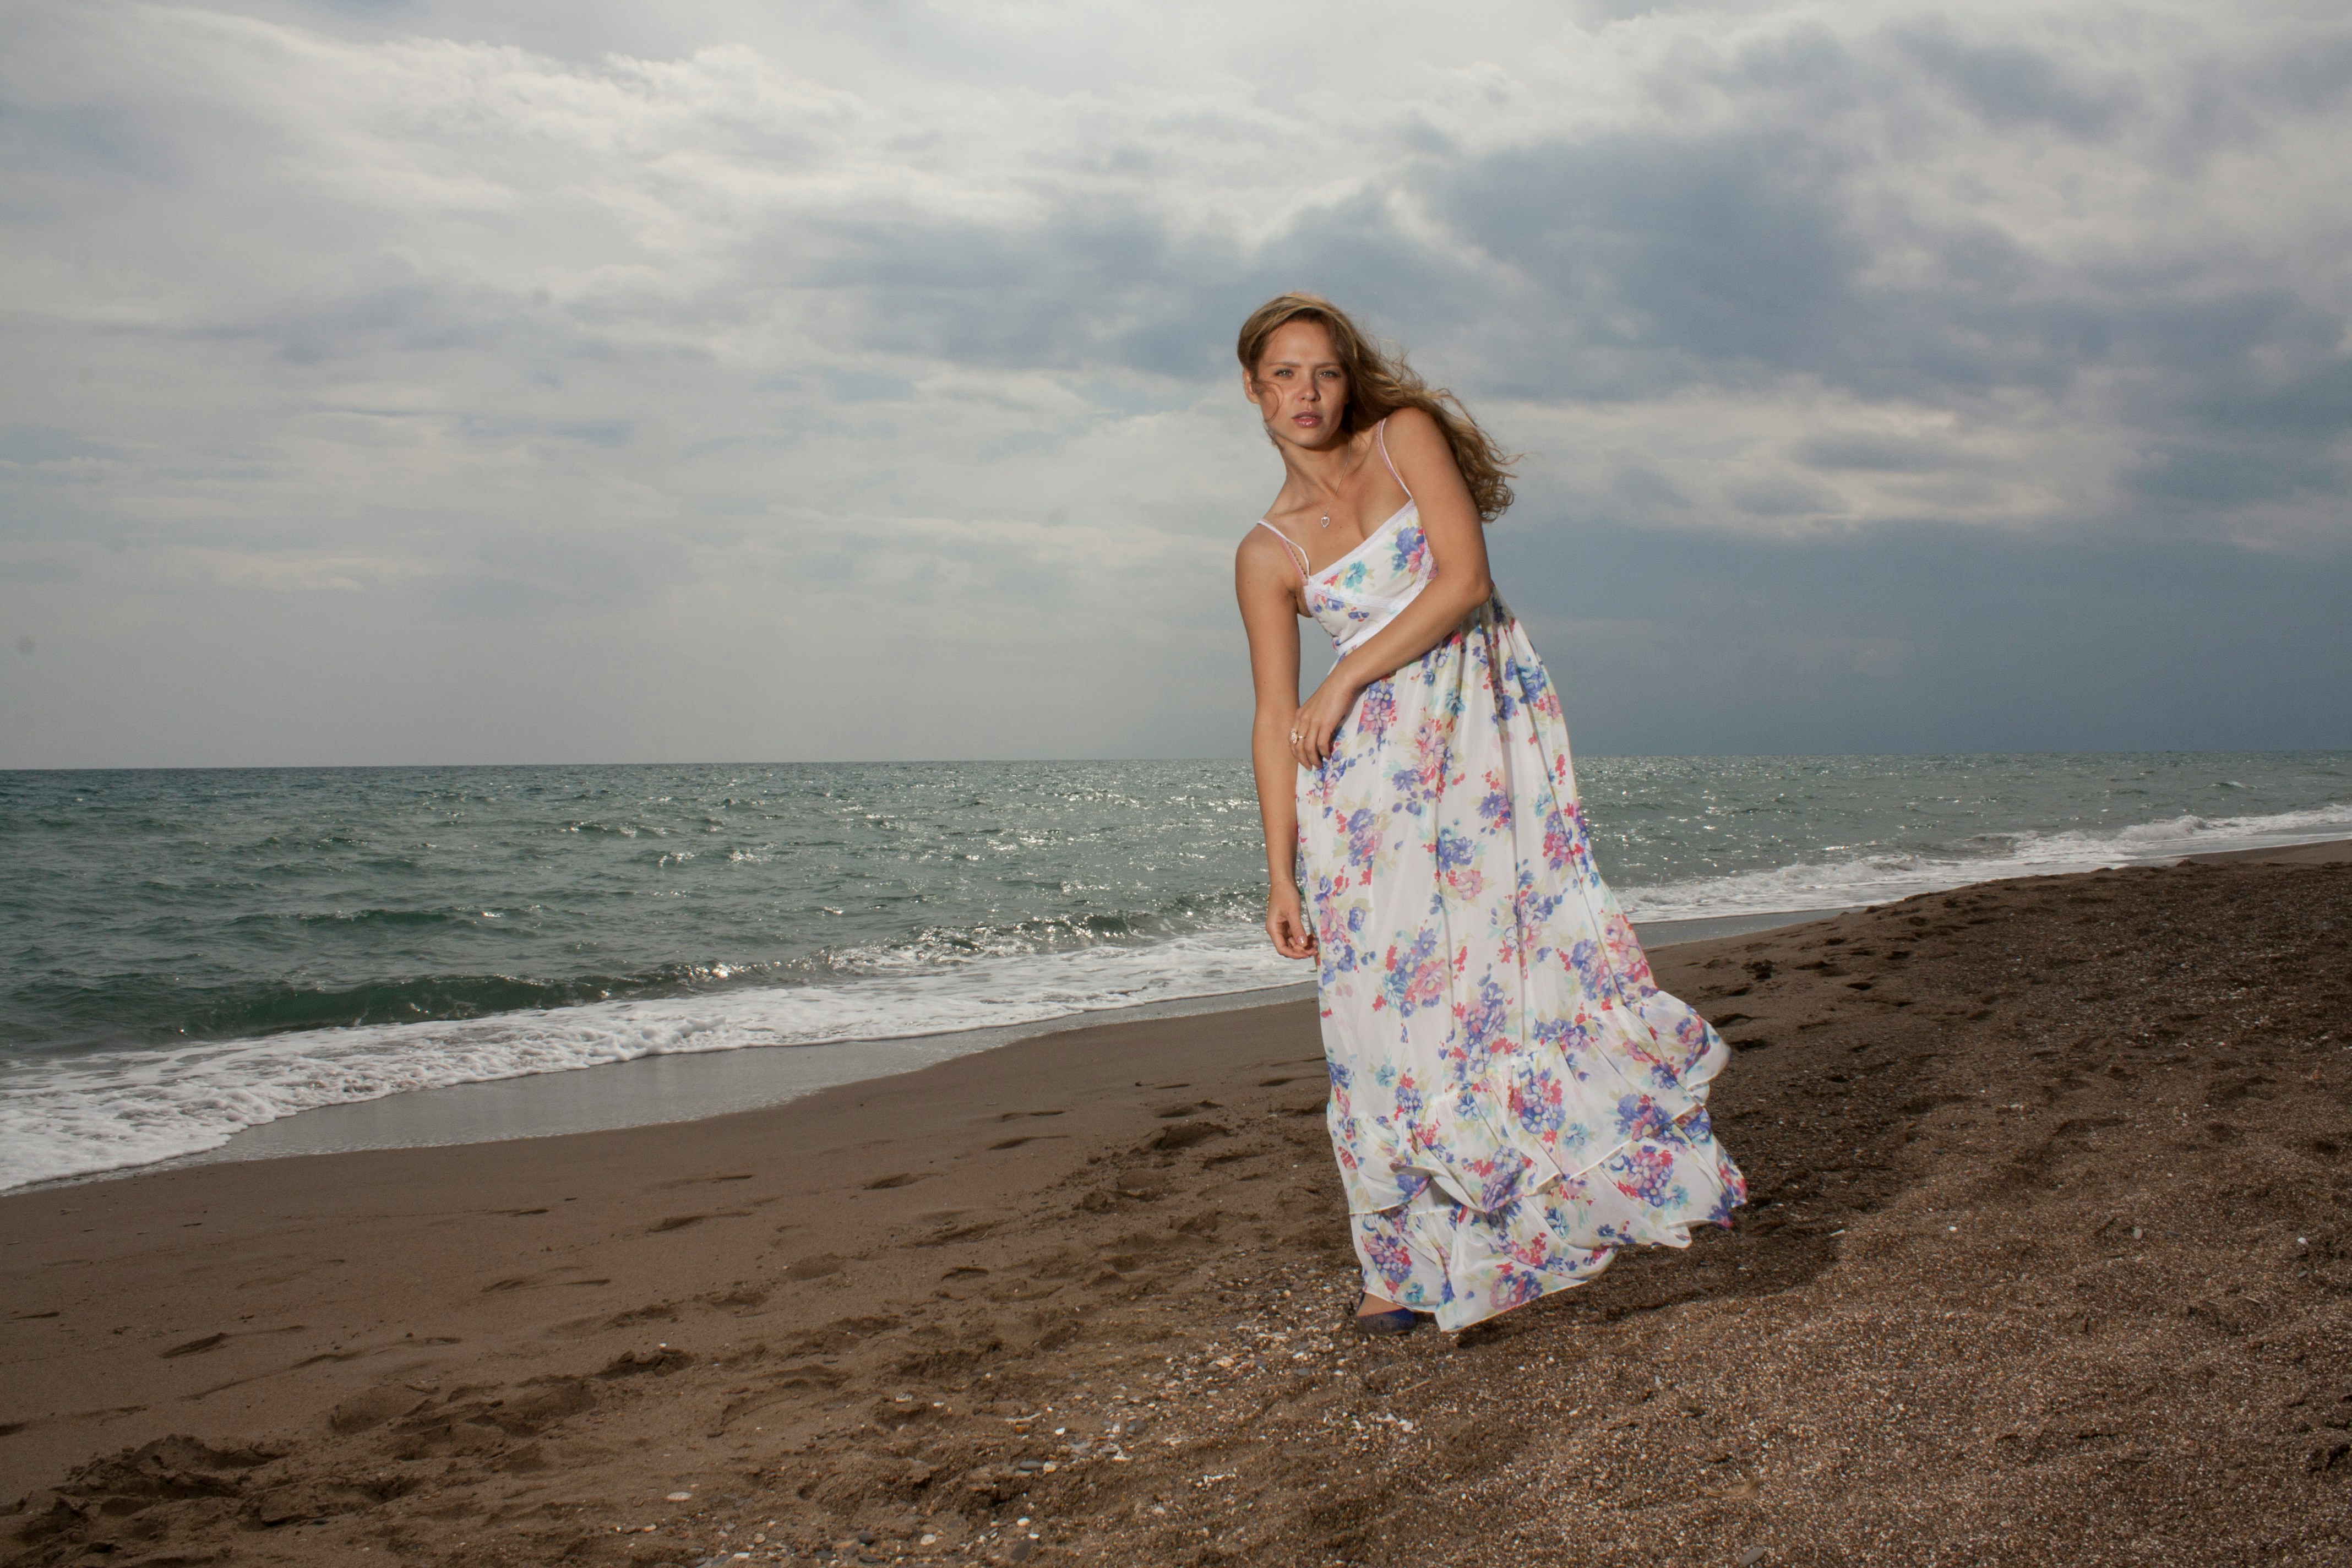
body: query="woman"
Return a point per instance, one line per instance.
(1512, 1098)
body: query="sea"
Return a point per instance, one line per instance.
(186, 955)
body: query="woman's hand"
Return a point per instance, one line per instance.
(1320, 716)
(1286, 923)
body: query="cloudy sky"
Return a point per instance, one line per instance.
(556, 381)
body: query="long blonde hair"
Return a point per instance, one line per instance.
(1379, 384)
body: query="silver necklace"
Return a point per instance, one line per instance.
(1341, 486)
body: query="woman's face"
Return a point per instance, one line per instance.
(1299, 386)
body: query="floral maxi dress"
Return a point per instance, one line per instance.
(1513, 1098)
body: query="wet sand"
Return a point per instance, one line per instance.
(2047, 1263)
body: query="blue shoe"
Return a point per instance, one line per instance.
(1403, 1320)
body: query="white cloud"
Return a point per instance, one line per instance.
(925, 303)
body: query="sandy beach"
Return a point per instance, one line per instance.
(2046, 1262)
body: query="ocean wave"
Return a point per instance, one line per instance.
(118, 1008)
(1879, 877)
(86, 1112)
(389, 917)
(109, 1111)
(128, 1008)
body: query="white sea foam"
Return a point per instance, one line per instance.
(1880, 876)
(109, 1111)
(103, 1111)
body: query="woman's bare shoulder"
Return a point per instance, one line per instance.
(1414, 429)
(1262, 548)
(1423, 455)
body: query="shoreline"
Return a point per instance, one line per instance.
(2019, 1155)
(686, 1086)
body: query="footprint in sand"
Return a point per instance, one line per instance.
(214, 1342)
(680, 1221)
(537, 1281)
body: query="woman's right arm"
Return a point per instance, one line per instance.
(1263, 574)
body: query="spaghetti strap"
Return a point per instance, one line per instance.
(1298, 556)
(1510, 1184)
(1380, 439)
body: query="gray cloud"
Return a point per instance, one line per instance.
(2009, 85)
(614, 338)
(1931, 639)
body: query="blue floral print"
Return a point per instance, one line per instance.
(1513, 1098)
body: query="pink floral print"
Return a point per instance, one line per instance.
(1513, 1098)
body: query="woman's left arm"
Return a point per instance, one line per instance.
(1457, 544)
